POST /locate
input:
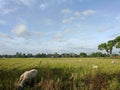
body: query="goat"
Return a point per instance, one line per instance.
(27, 78)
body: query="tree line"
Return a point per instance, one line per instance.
(55, 55)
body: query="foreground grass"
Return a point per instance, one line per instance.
(62, 73)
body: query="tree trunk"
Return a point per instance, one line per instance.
(111, 52)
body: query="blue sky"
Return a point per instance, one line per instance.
(49, 26)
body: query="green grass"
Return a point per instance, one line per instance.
(62, 73)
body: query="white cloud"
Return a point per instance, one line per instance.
(77, 15)
(84, 13)
(48, 21)
(6, 36)
(66, 11)
(7, 11)
(58, 36)
(43, 6)
(70, 30)
(5, 7)
(25, 2)
(20, 30)
(37, 33)
(68, 20)
(88, 12)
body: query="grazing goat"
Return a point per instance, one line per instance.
(27, 78)
(95, 67)
(113, 62)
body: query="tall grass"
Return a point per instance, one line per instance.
(62, 73)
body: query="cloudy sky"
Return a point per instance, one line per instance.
(48, 26)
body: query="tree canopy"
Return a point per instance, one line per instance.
(109, 45)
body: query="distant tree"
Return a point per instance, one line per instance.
(38, 55)
(29, 55)
(82, 54)
(5, 56)
(24, 55)
(18, 54)
(56, 55)
(96, 54)
(43, 55)
(0, 56)
(49, 55)
(74, 55)
(65, 55)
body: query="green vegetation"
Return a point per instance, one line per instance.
(56, 55)
(62, 73)
(108, 47)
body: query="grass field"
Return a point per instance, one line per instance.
(62, 73)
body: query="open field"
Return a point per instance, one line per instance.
(62, 73)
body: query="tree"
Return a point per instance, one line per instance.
(65, 55)
(103, 46)
(18, 55)
(97, 54)
(56, 55)
(29, 55)
(117, 40)
(108, 47)
(82, 54)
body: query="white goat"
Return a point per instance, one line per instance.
(113, 62)
(27, 78)
(95, 67)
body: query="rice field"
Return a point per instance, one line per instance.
(62, 73)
